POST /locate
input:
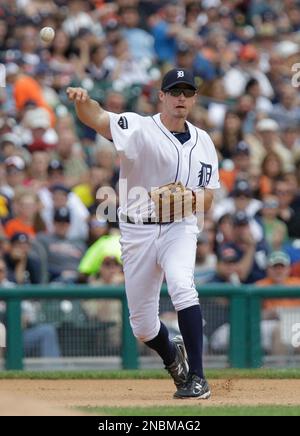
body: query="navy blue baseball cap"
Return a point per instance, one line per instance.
(176, 76)
(229, 254)
(55, 165)
(242, 187)
(241, 148)
(19, 237)
(62, 215)
(60, 187)
(240, 218)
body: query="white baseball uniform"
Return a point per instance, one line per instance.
(151, 156)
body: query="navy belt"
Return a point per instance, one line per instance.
(128, 220)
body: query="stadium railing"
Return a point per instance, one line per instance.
(244, 317)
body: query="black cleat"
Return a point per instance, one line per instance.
(179, 369)
(195, 387)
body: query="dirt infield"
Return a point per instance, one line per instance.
(59, 397)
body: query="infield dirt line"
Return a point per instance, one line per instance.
(66, 394)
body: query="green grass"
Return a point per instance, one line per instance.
(196, 411)
(262, 373)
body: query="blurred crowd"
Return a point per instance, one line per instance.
(242, 53)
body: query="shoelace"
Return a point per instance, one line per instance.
(190, 380)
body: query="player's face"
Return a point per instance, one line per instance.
(178, 104)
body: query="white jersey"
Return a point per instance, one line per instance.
(151, 156)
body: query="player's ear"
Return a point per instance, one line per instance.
(161, 95)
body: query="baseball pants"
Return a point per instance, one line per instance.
(150, 252)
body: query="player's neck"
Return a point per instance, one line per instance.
(173, 124)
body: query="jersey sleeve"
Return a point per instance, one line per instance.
(126, 133)
(214, 182)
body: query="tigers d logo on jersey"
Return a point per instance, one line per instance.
(204, 174)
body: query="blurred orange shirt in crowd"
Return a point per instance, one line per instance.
(276, 303)
(228, 178)
(26, 88)
(15, 225)
(265, 185)
(295, 268)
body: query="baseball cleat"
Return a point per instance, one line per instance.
(195, 387)
(179, 369)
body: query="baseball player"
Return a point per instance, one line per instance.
(168, 152)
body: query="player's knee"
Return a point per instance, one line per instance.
(182, 298)
(145, 332)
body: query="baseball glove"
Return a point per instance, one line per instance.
(173, 202)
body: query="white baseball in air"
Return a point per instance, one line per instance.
(47, 34)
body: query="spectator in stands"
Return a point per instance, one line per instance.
(206, 260)
(97, 227)
(290, 139)
(241, 163)
(271, 170)
(279, 274)
(26, 88)
(79, 215)
(262, 104)
(246, 241)
(271, 340)
(23, 266)
(231, 134)
(209, 228)
(287, 111)
(106, 246)
(39, 340)
(97, 67)
(15, 174)
(188, 57)
(68, 151)
(57, 194)
(275, 230)
(27, 218)
(249, 254)
(225, 229)
(37, 171)
(267, 140)
(289, 207)
(140, 42)
(87, 192)
(10, 145)
(63, 254)
(231, 266)
(166, 30)
(38, 133)
(60, 61)
(237, 77)
(241, 200)
(102, 264)
(126, 71)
